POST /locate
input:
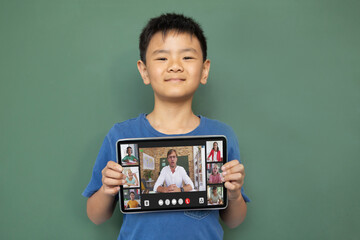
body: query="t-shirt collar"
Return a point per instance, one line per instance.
(159, 134)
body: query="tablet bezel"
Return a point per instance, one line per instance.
(177, 141)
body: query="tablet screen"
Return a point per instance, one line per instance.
(179, 173)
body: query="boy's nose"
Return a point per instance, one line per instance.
(175, 66)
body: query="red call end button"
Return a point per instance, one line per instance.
(187, 201)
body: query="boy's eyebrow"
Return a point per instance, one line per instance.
(167, 51)
(188, 50)
(160, 51)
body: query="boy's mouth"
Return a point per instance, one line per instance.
(174, 79)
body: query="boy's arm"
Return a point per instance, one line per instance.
(235, 213)
(101, 205)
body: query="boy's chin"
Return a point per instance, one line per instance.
(176, 97)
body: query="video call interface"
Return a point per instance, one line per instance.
(165, 174)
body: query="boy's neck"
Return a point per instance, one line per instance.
(173, 118)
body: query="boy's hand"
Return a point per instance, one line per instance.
(233, 176)
(112, 177)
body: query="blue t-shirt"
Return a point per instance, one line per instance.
(163, 225)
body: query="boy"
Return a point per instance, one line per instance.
(173, 61)
(215, 198)
(132, 203)
(129, 159)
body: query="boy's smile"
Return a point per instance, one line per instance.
(174, 65)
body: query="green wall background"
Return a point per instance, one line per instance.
(285, 75)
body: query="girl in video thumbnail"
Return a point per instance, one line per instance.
(131, 179)
(215, 153)
(215, 176)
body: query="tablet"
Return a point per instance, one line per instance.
(177, 173)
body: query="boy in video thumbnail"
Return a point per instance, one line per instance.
(132, 203)
(173, 176)
(215, 197)
(129, 159)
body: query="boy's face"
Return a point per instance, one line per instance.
(174, 66)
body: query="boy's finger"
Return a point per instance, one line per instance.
(114, 182)
(232, 186)
(113, 191)
(114, 174)
(230, 165)
(115, 166)
(235, 169)
(233, 177)
(229, 186)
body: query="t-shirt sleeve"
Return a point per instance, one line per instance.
(103, 157)
(234, 153)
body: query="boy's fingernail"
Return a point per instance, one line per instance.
(224, 173)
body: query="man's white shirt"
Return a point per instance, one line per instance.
(177, 177)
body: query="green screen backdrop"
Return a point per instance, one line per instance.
(284, 74)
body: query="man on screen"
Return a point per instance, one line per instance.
(173, 176)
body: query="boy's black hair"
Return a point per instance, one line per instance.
(167, 22)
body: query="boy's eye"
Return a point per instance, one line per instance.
(161, 59)
(188, 57)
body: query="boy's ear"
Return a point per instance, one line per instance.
(205, 71)
(143, 72)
